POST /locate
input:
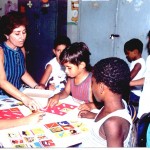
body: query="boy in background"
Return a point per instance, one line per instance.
(133, 51)
(54, 77)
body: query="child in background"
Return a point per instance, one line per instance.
(112, 125)
(133, 51)
(76, 60)
(54, 77)
(145, 82)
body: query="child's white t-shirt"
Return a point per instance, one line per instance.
(137, 89)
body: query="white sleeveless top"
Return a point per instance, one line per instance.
(57, 76)
(93, 139)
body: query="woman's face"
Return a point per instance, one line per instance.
(17, 37)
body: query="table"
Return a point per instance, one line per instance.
(53, 131)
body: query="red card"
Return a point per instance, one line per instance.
(60, 109)
(12, 113)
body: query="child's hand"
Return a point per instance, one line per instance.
(53, 100)
(51, 87)
(34, 118)
(86, 114)
(85, 106)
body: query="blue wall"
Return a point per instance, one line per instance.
(99, 19)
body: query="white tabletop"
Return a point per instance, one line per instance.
(64, 141)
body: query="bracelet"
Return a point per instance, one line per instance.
(35, 86)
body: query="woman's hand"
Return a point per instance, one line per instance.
(31, 103)
(86, 114)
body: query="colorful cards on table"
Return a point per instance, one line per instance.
(60, 109)
(11, 113)
(54, 134)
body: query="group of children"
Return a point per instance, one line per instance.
(70, 73)
(75, 58)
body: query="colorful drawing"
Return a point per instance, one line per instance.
(60, 109)
(46, 135)
(12, 113)
(10, 6)
(47, 143)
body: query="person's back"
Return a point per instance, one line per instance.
(133, 51)
(112, 125)
(54, 77)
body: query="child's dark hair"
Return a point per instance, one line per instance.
(148, 43)
(114, 73)
(9, 22)
(62, 40)
(76, 53)
(132, 45)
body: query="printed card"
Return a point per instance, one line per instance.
(60, 109)
(12, 113)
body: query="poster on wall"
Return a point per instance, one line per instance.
(73, 11)
(8, 6)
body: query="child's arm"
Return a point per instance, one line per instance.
(46, 75)
(63, 94)
(137, 82)
(87, 114)
(135, 70)
(87, 106)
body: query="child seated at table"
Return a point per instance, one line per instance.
(76, 60)
(112, 125)
(133, 51)
(54, 77)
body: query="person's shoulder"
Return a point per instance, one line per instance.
(139, 61)
(53, 60)
(148, 58)
(1, 50)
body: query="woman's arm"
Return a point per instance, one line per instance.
(12, 90)
(26, 78)
(4, 84)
